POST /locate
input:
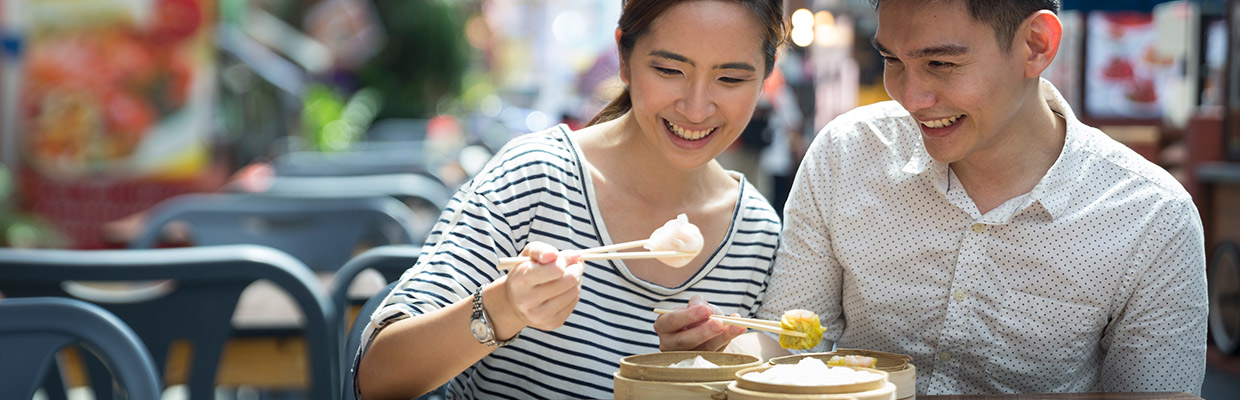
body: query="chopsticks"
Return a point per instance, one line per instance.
(751, 323)
(600, 253)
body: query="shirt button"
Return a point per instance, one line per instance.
(977, 228)
(960, 295)
(946, 355)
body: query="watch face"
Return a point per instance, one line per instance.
(479, 329)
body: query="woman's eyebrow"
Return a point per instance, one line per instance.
(677, 57)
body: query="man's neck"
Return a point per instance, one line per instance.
(1016, 166)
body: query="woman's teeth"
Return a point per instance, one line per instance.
(687, 134)
(941, 123)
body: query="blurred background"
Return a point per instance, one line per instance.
(108, 107)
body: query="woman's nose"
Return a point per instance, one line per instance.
(697, 104)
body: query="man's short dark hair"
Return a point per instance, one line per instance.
(1004, 16)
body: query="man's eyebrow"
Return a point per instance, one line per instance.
(878, 46)
(935, 51)
(677, 57)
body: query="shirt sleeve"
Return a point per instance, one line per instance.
(806, 274)
(1158, 341)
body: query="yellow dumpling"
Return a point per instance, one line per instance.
(803, 321)
(853, 361)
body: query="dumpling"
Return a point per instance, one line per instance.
(804, 321)
(676, 235)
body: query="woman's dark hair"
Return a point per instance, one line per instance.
(1003, 16)
(635, 20)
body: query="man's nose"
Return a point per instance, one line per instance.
(912, 90)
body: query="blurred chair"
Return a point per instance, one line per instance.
(397, 130)
(354, 340)
(389, 261)
(195, 304)
(322, 232)
(365, 158)
(32, 330)
(426, 196)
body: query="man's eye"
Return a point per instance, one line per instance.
(890, 60)
(941, 64)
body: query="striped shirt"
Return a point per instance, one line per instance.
(538, 189)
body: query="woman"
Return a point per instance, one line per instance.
(694, 72)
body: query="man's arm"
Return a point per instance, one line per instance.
(1158, 343)
(806, 274)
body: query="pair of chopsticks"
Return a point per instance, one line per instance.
(751, 323)
(600, 253)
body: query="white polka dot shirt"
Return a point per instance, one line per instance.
(1093, 281)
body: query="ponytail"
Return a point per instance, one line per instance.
(617, 107)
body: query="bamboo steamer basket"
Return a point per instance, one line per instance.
(649, 376)
(874, 389)
(900, 370)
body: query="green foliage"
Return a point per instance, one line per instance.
(424, 59)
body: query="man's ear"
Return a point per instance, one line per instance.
(1041, 34)
(624, 67)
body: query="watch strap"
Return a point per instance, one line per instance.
(480, 312)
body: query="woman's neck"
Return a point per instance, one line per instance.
(624, 158)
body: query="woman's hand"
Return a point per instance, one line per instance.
(691, 328)
(543, 291)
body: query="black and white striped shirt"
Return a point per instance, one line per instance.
(537, 189)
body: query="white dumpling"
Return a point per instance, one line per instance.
(677, 235)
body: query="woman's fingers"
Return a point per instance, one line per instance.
(541, 292)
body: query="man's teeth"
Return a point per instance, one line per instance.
(941, 123)
(688, 134)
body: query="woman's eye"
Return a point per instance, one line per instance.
(666, 71)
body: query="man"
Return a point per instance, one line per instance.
(975, 224)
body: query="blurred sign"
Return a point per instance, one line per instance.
(112, 109)
(116, 88)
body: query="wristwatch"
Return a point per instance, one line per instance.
(480, 325)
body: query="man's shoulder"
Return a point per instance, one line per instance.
(882, 113)
(886, 120)
(1112, 154)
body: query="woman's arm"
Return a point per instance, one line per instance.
(415, 355)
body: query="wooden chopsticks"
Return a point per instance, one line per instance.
(751, 323)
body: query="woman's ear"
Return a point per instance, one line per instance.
(624, 67)
(1042, 33)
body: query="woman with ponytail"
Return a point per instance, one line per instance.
(556, 327)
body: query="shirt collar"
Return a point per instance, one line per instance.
(1052, 190)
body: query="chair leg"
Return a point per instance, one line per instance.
(54, 384)
(100, 378)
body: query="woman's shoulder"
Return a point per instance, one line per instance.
(556, 141)
(549, 151)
